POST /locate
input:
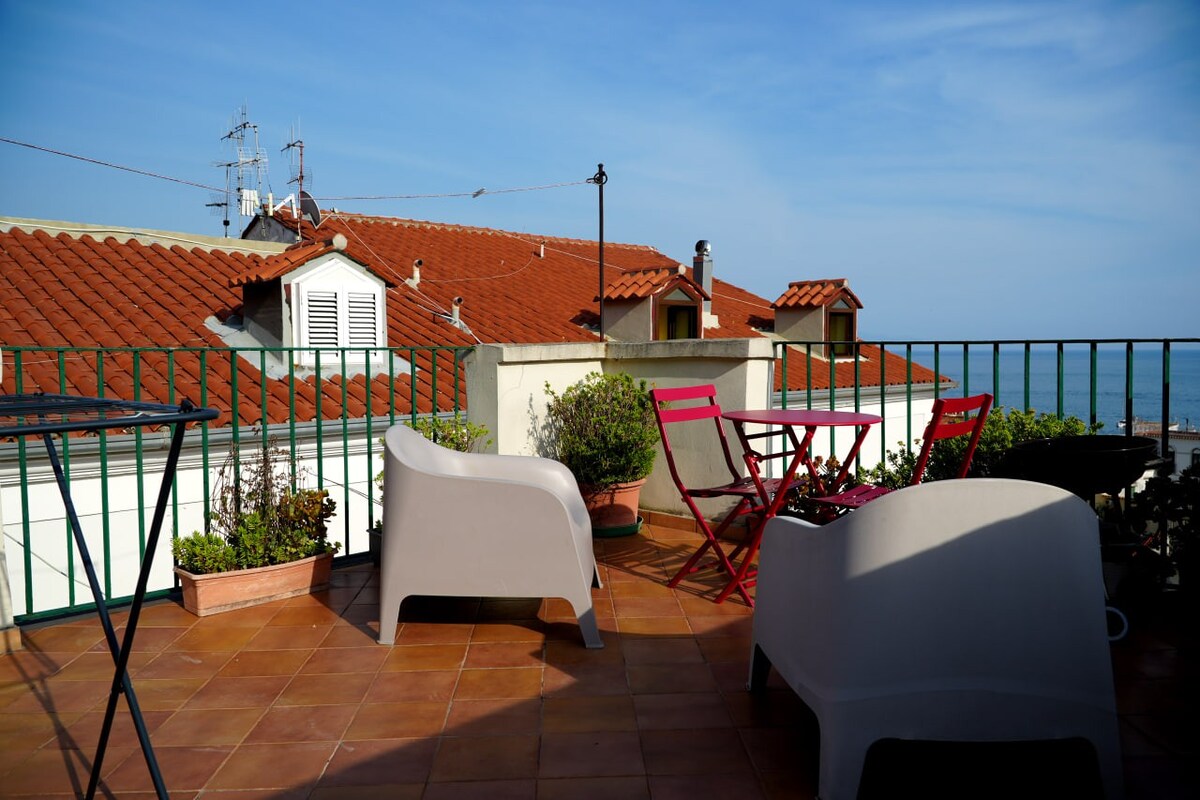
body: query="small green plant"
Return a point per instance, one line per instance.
(258, 518)
(1171, 510)
(1000, 432)
(602, 428)
(455, 433)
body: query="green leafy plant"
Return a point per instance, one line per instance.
(1170, 509)
(1000, 432)
(455, 433)
(602, 428)
(258, 518)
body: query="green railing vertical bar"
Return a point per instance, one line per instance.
(23, 470)
(140, 461)
(457, 379)
(320, 419)
(205, 464)
(174, 478)
(908, 393)
(1129, 389)
(857, 377)
(996, 373)
(412, 383)
(937, 371)
(291, 357)
(783, 384)
(1166, 397)
(262, 404)
(1060, 386)
(832, 394)
(105, 526)
(882, 400)
(1093, 382)
(966, 384)
(433, 379)
(61, 363)
(235, 411)
(1028, 373)
(808, 376)
(369, 394)
(391, 355)
(345, 415)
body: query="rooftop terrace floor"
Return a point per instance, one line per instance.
(499, 699)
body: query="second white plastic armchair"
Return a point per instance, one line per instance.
(481, 525)
(961, 610)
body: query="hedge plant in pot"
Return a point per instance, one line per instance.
(602, 428)
(452, 432)
(266, 537)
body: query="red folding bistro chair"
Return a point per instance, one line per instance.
(948, 421)
(667, 411)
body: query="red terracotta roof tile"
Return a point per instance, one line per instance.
(78, 290)
(642, 283)
(814, 294)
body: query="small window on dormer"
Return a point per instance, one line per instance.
(842, 333)
(337, 306)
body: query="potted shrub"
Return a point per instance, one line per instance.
(1171, 510)
(602, 428)
(454, 433)
(265, 540)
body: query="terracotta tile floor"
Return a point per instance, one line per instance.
(498, 699)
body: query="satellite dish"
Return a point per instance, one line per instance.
(308, 207)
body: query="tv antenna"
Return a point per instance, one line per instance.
(245, 170)
(295, 150)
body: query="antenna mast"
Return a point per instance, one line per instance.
(296, 144)
(248, 166)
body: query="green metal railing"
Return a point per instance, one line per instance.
(336, 424)
(305, 410)
(1129, 384)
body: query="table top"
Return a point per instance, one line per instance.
(37, 414)
(802, 417)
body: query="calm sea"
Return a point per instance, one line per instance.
(1183, 379)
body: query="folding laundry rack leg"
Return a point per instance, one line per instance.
(120, 651)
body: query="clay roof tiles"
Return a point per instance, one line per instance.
(814, 294)
(78, 290)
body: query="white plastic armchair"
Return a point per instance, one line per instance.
(961, 610)
(481, 525)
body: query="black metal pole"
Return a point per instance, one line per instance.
(601, 178)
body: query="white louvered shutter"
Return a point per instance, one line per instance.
(322, 319)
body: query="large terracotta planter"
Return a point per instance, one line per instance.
(614, 509)
(225, 591)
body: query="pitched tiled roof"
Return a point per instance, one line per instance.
(642, 283)
(116, 289)
(814, 294)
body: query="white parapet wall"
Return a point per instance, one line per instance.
(506, 387)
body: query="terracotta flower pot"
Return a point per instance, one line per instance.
(613, 509)
(225, 591)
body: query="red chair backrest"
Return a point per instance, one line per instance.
(706, 408)
(950, 420)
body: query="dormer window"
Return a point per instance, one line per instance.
(678, 316)
(653, 304)
(819, 311)
(313, 298)
(840, 319)
(336, 305)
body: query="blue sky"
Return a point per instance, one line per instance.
(976, 170)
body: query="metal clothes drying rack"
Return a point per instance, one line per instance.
(45, 415)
